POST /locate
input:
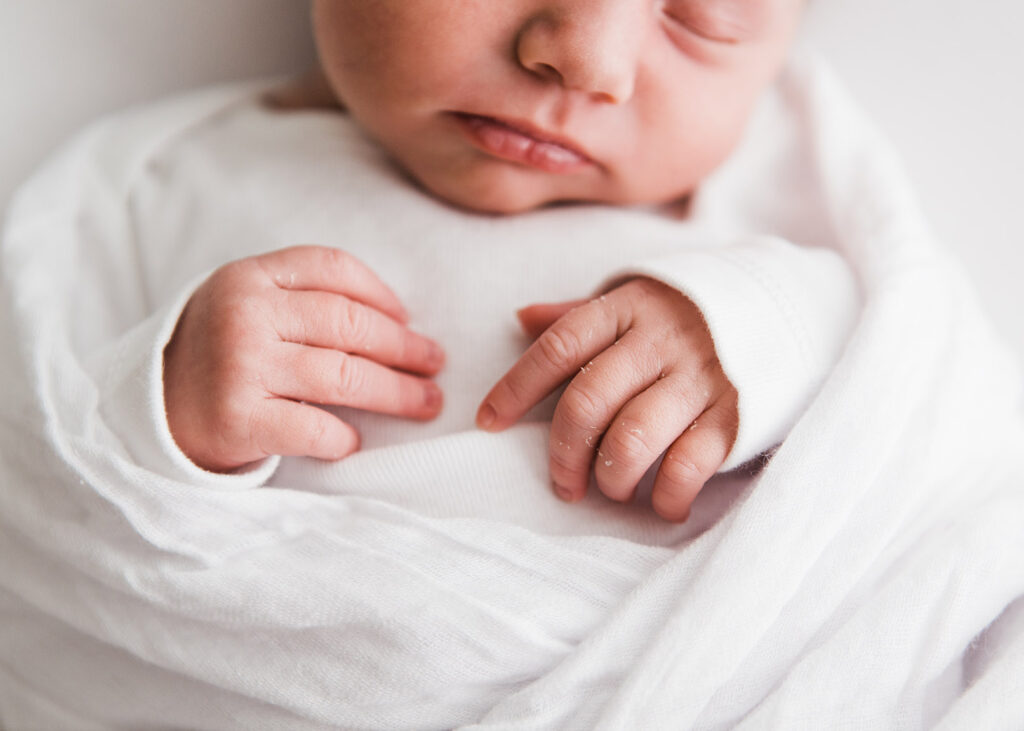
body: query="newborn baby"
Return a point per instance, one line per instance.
(500, 109)
(232, 497)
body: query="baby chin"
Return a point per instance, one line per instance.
(480, 183)
(491, 189)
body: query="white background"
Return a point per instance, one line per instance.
(941, 77)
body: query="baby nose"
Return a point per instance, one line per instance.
(591, 46)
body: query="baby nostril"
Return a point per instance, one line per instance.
(548, 71)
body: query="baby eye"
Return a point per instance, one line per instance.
(713, 20)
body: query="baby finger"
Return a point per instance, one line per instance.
(588, 405)
(291, 429)
(325, 376)
(643, 430)
(327, 320)
(330, 270)
(692, 460)
(554, 357)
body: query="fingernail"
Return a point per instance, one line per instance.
(564, 494)
(486, 417)
(432, 396)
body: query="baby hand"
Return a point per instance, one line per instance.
(645, 379)
(265, 335)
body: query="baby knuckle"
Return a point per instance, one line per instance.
(642, 290)
(678, 469)
(580, 408)
(349, 376)
(626, 444)
(686, 389)
(257, 268)
(228, 275)
(645, 286)
(517, 389)
(561, 348)
(232, 318)
(594, 310)
(648, 352)
(354, 323)
(246, 274)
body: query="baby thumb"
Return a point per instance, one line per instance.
(535, 319)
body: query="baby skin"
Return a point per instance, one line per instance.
(499, 108)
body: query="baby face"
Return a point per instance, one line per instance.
(508, 105)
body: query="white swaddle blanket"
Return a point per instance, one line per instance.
(869, 576)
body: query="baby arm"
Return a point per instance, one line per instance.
(265, 337)
(647, 381)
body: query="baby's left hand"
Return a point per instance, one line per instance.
(647, 380)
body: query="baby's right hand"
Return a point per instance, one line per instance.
(265, 335)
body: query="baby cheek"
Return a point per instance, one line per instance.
(668, 165)
(677, 151)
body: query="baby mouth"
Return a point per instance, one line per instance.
(519, 144)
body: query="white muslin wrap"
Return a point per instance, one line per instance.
(868, 575)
